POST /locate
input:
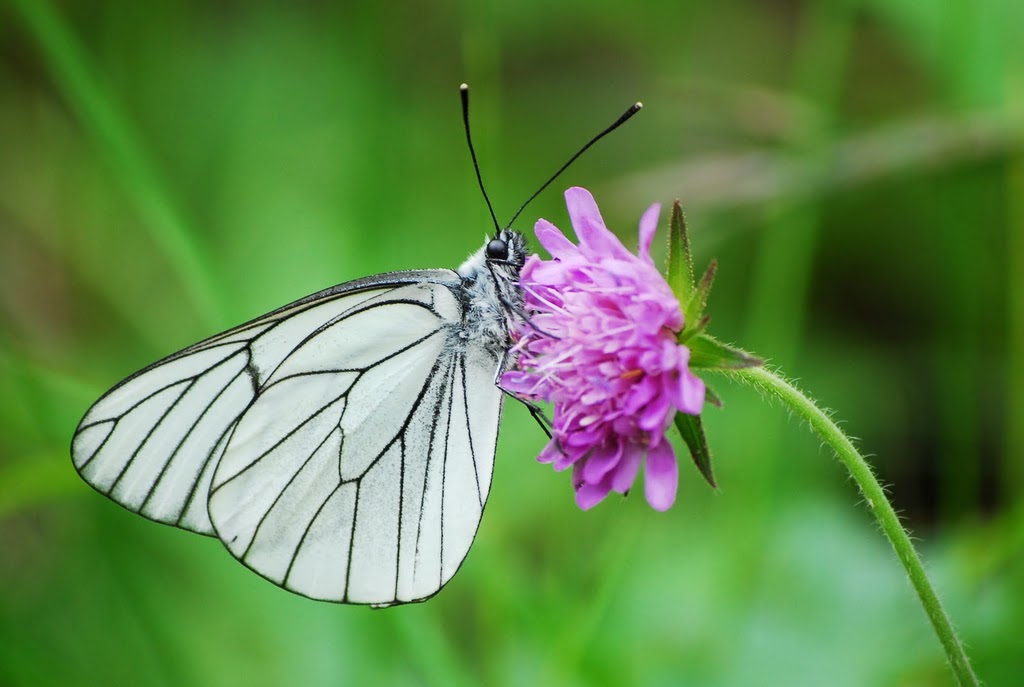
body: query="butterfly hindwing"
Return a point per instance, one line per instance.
(356, 473)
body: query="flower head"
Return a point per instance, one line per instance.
(602, 346)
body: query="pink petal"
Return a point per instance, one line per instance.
(589, 495)
(553, 240)
(692, 392)
(518, 382)
(648, 225)
(601, 461)
(584, 437)
(583, 210)
(565, 460)
(661, 476)
(532, 263)
(562, 456)
(589, 226)
(653, 416)
(638, 397)
(625, 472)
(550, 453)
(549, 273)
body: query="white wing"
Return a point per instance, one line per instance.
(360, 472)
(348, 439)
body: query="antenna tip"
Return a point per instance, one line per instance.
(639, 105)
(464, 87)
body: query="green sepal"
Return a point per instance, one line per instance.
(693, 298)
(680, 261)
(692, 431)
(693, 310)
(693, 330)
(709, 353)
(711, 396)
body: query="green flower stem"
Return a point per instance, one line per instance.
(772, 385)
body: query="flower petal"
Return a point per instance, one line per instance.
(692, 392)
(550, 453)
(653, 417)
(648, 225)
(589, 226)
(589, 495)
(661, 476)
(554, 241)
(520, 383)
(551, 273)
(603, 459)
(625, 472)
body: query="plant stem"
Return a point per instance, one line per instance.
(773, 385)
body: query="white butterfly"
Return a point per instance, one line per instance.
(342, 446)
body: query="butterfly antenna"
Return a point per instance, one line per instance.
(464, 92)
(615, 125)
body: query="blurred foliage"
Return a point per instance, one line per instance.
(168, 169)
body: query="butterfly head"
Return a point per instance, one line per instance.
(501, 258)
(508, 248)
(493, 297)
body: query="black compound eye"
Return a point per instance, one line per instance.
(497, 250)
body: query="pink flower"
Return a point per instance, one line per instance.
(602, 346)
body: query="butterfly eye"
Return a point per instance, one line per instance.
(497, 250)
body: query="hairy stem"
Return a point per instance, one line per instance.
(773, 385)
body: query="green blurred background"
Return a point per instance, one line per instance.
(170, 169)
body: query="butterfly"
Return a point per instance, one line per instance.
(341, 446)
